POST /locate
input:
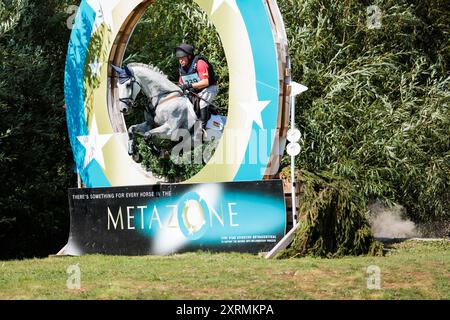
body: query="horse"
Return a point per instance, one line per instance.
(168, 111)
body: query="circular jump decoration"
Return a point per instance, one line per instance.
(255, 45)
(193, 216)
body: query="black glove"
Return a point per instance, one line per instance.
(186, 86)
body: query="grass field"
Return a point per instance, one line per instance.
(410, 270)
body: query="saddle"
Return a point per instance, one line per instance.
(195, 100)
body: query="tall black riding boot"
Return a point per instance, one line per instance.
(204, 117)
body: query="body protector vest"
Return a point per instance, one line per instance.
(191, 76)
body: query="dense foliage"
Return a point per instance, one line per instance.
(375, 120)
(36, 164)
(377, 112)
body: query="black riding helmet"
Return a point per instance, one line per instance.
(184, 50)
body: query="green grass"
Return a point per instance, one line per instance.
(410, 270)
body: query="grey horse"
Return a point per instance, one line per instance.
(169, 115)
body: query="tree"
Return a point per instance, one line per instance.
(35, 159)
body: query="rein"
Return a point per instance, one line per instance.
(209, 103)
(130, 102)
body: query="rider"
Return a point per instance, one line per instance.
(197, 75)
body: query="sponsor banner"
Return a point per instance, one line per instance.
(165, 219)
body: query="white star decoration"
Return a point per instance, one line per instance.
(95, 67)
(254, 110)
(217, 3)
(94, 143)
(103, 10)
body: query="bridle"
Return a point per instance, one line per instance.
(130, 102)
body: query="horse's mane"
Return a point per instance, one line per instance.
(148, 67)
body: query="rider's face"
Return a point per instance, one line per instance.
(184, 62)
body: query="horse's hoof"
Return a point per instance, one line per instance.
(136, 157)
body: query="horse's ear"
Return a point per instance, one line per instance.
(129, 72)
(117, 69)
